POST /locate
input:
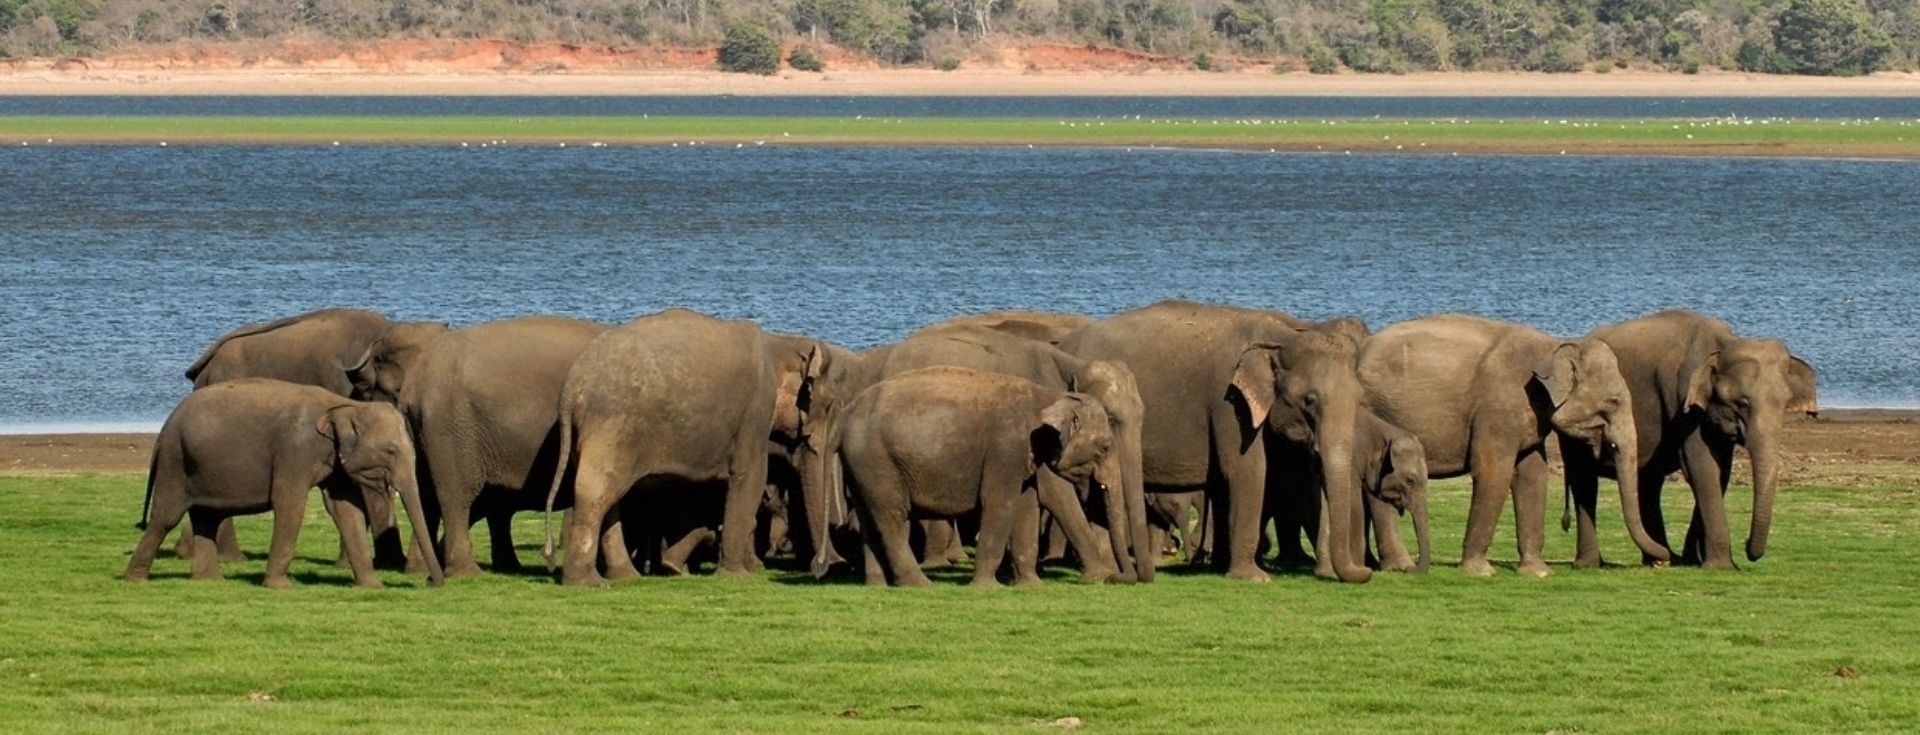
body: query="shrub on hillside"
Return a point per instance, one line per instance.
(1830, 37)
(803, 58)
(749, 49)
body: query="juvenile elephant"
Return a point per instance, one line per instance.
(1039, 326)
(678, 397)
(484, 406)
(1391, 468)
(305, 349)
(1698, 391)
(254, 445)
(1220, 382)
(1482, 396)
(938, 442)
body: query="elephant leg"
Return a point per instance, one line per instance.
(1097, 561)
(1493, 474)
(673, 558)
(457, 518)
(957, 550)
(894, 543)
(938, 534)
(1025, 546)
(1707, 468)
(183, 547)
(1392, 550)
(744, 488)
(226, 543)
(1056, 540)
(1244, 476)
(389, 550)
(352, 522)
(499, 537)
(996, 529)
(289, 509)
(615, 554)
(1652, 516)
(206, 552)
(597, 487)
(871, 552)
(1530, 512)
(1583, 488)
(169, 507)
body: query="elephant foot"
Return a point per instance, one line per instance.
(734, 570)
(415, 565)
(622, 573)
(985, 583)
(1718, 564)
(369, 583)
(674, 567)
(1028, 582)
(1403, 564)
(1247, 572)
(135, 578)
(1588, 562)
(1324, 571)
(589, 579)
(1476, 568)
(1534, 568)
(276, 582)
(232, 557)
(463, 569)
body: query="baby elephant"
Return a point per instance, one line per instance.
(253, 445)
(939, 442)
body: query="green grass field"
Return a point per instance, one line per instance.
(1889, 138)
(1818, 637)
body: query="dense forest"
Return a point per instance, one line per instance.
(1391, 36)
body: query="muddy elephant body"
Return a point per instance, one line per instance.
(484, 406)
(938, 442)
(1699, 391)
(1482, 396)
(1217, 384)
(306, 349)
(678, 397)
(254, 445)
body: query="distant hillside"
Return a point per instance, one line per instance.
(1782, 36)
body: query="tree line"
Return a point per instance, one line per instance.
(1837, 37)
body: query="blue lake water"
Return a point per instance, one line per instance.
(118, 264)
(1195, 107)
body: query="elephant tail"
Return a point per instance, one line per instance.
(559, 476)
(1566, 509)
(146, 506)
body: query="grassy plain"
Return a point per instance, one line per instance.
(1817, 637)
(1873, 139)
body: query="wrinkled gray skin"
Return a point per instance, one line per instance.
(1039, 326)
(484, 406)
(1113, 384)
(942, 441)
(1482, 397)
(253, 445)
(305, 349)
(678, 397)
(1391, 467)
(1218, 383)
(1699, 390)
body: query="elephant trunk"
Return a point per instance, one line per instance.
(1764, 451)
(1417, 505)
(1119, 527)
(409, 488)
(816, 481)
(1134, 482)
(1626, 458)
(1341, 494)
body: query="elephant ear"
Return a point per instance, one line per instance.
(1804, 394)
(1558, 372)
(793, 395)
(338, 427)
(359, 372)
(1254, 380)
(1700, 382)
(1057, 422)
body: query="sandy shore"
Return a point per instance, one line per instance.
(41, 80)
(1843, 436)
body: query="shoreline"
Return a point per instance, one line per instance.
(1862, 436)
(36, 78)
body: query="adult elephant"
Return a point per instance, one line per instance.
(1217, 383)
(678, 397)
(1699, 391)
(1113, 384)
(1482, 396)
(1039, 326)
(305, 349)
(484, 406)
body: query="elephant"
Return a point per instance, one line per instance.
(991, 350)
(1482, 396)
(253, 445)
(304, 349)
(1699, 390)
(940, 441)
(483, 402)
(1391, 467)
(1218, 383)
(1039, 326)
(1179, 514)
(681, 397)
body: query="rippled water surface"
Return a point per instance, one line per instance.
(118, 264)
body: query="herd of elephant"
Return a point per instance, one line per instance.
(1178, 428)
